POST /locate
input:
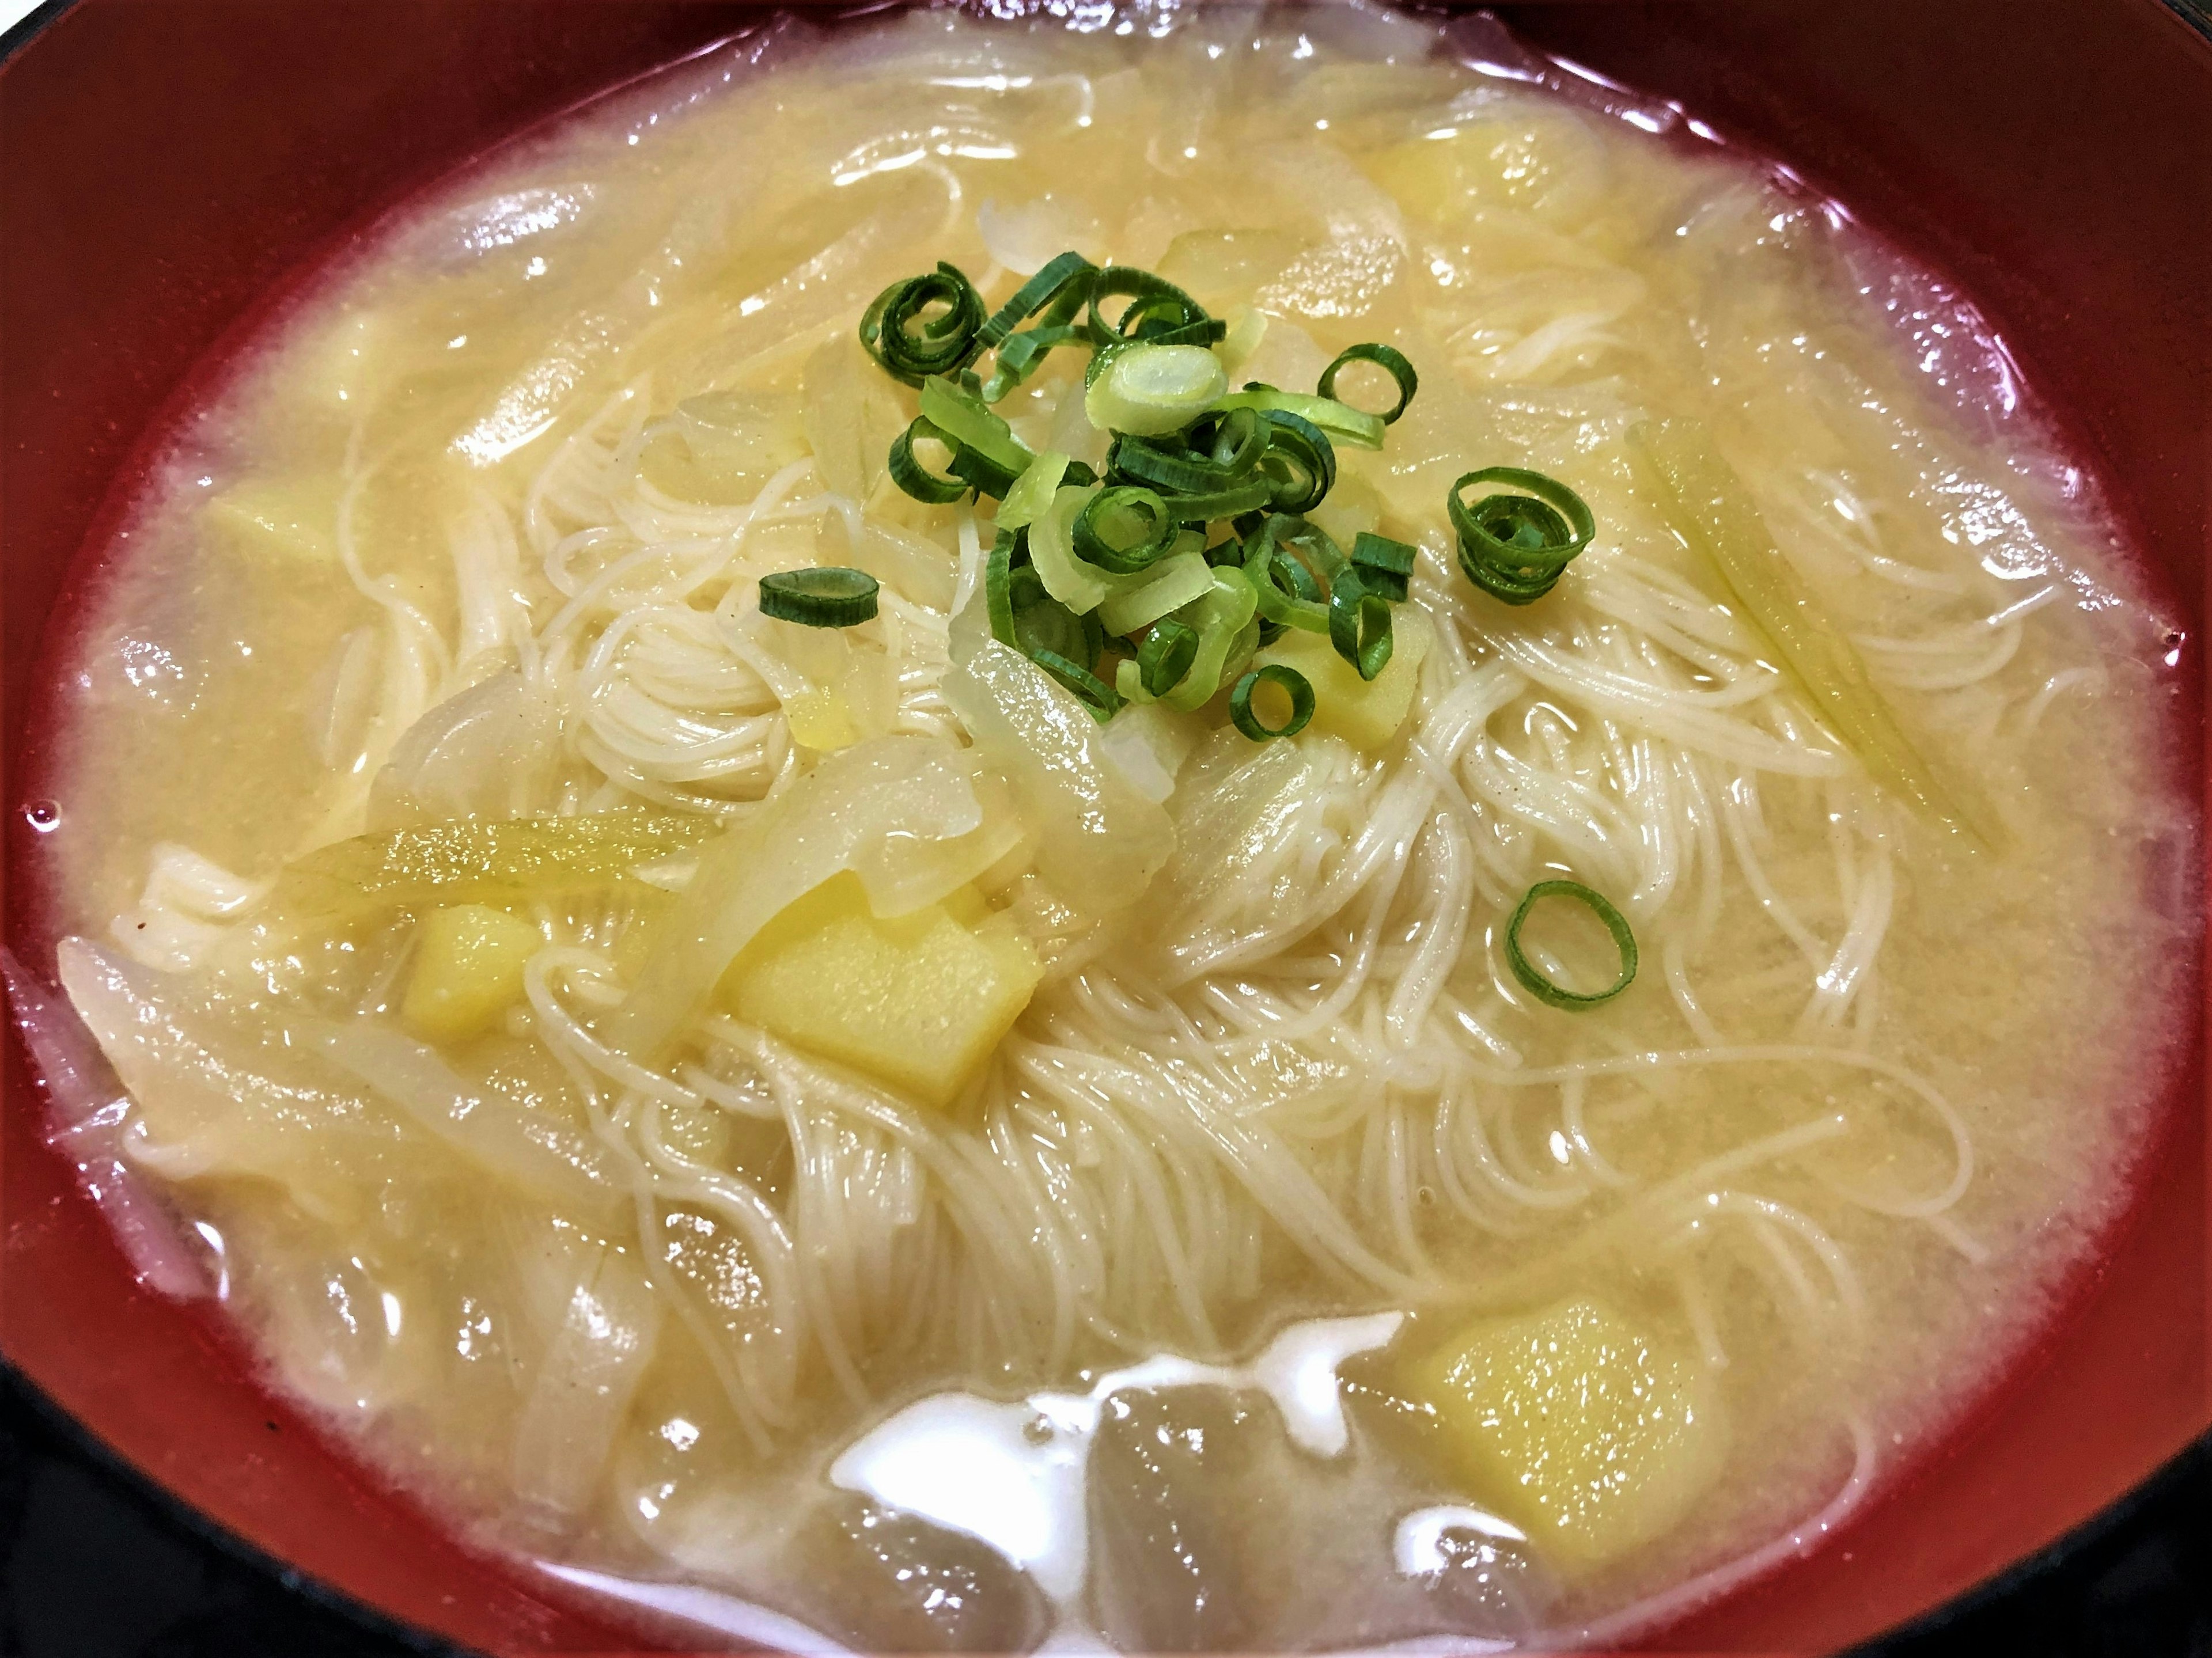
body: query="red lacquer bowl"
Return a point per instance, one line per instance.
(167, 162)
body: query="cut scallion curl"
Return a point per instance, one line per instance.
(1516, 546)
(1383, 565)
(912, 342)
(1532, 979)
(1292, 682)
(917, 480)
(1343, 423)
(1299, 462)
(1287, 593)
(1158, 310)
(1388, 359)
(998, 586)
(830, 597)
(1103, 700)
(1124, 530)
(1359, 624)
(1148, 391)
(1165, 657)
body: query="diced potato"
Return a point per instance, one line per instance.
(292, 522)
(1364, 712)
(918, 1000)
(468, 970)
(1577, 1425)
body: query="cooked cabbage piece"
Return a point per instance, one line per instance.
(1576, 1425)
(917, 1000)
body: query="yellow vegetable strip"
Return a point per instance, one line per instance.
(1707, 505)
(481, 861)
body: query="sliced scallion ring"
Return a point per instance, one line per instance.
(1383, 565)
(1165, 656)
(832, 596)
(1542, 988)
(1359, 624)
(910, 345)
(1101, 698)
(1299, 461)
(998, 585)
(1293, 684)
(1101, 529)
(1388, 359)
(917, 480)
(1516, 546)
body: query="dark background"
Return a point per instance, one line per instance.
(95, 1564)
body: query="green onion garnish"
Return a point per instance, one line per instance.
(1384, 357)
(998, 585)
(1165, 656)
(1343, 423)
(1359, 624)
(1148, 389)
(1157, 311)
(830, 597)
(1142, 528)
(1103, 700)
(1294, 683)
(1515, 547)
(1289, 596)
(917, 480)
(1299, 461)
(1541, 988)
(1383, 566)
(943, 344)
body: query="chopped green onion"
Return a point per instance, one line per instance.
(1165, 657)
(1516, 546)
(1299, 461)
(1231, 502)
(1295, 684)
(1150, 390)
(1042, 625)
(1383, 566)
(1101, 698)
(1115, 509)
(830, 597)
(1224, 617)
(1140, 600)
(1062, 284)
(1359, 624)
(1033, 490)
(1388, 359)
(1287, 593)
(943, 344)
(998, 585)
(1343, 423)
(961, 416)
(1541, 988)
(1158, 310)
(917, 480)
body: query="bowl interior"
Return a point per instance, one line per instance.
(187, 156)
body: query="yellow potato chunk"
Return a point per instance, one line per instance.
(1577, 1425)
(468, 971)
(1364, 712)
(918, 1000)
